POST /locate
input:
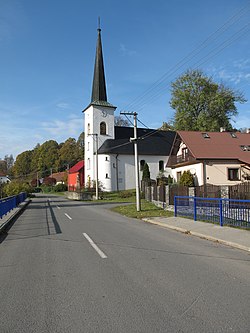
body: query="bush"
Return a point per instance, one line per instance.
(16, 187)
(187, 179)
(60, 188)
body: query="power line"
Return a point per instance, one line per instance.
(231, 21)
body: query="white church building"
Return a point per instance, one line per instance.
(109, 153)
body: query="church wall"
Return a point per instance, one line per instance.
(117, 172)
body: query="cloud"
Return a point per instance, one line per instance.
(126, 52)
(63, 105)
(58, 128)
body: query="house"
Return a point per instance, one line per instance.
(109, 152)
(76, 176)
(4, 179)
(60, 177)
(219, 158)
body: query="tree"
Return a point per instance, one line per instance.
(201, 104)
(22, 166)
(145, 172)
(80, 147)
(166, 126)
(187, 179)
(120, 121)
(68, 153)
(9, 161)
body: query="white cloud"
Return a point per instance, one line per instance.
(126, 52)
(63, 105)
(58, 128)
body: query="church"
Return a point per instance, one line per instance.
(109, 150)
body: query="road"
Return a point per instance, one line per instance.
(69, 266)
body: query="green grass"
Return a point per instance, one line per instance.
(147, 210)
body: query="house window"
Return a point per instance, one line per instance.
(107, 176)
(88, 129)
(233, 174)
(103, 128)
(142, 163)
(161, 165)
(184, 154)
(205, 135)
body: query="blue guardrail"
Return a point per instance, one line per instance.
(216, 210)
(9, 203)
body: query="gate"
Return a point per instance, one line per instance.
(208, 191)
(240, 191)
(177, 190)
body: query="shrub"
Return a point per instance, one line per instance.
(126, 194)
(16, 187)
(60, 188)
(187, 179)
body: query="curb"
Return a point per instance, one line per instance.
(197, 234)
(6, 225)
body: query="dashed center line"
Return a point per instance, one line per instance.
(101, 254)
(58, 207)
(68, 216)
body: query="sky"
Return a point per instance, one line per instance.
(47, 53)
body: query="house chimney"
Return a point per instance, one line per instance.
(222, 129)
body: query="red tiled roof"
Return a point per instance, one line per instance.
(77, 167)
(217, 145)
(59, 176)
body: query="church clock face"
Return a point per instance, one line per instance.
(104, 113)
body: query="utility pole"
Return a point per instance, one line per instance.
(134, 140)
(96, 166)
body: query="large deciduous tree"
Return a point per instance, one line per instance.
(201, 104)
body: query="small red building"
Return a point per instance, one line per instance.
(76, 176)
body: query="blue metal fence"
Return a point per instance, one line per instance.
(221, 211)
(9, 203)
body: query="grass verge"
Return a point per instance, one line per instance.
(147, 210)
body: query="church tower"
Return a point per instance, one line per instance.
(98, 116)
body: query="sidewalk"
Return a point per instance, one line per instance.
(236, 238)
(6, 220)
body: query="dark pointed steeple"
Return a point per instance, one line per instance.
(99, 85)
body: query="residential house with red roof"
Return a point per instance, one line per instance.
(219, 158)
(60, 177)
(76, 176)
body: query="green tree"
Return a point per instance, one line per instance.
(68, 153)
(187, 179)
(22, 167)
(120, 121)
(145, 172)
(80, 147)
(201, 104)
(16, 187)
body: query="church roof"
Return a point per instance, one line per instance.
(150, 142)
(99, 94)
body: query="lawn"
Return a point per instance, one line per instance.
(147, 210)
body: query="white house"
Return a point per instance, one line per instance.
(4, 179)
(114, 164)
(218, 158)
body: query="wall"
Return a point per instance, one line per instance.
(121, 168)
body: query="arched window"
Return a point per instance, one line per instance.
(88, 129)
(103, 130)
(142, 163)
(161, 165)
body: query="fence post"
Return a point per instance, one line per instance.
(221, 213)
(195, 209)
(175, 206)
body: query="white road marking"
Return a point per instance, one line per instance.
(58, 207)
(68, 216)
(101, 254)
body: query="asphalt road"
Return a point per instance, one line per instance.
(68, 266)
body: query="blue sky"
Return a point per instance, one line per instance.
(47, 51)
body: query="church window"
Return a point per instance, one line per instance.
(142, 163)
(88, 129)
(161, 165)
(88, 163)
(103, 128)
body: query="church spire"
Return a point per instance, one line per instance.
(99, 85)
